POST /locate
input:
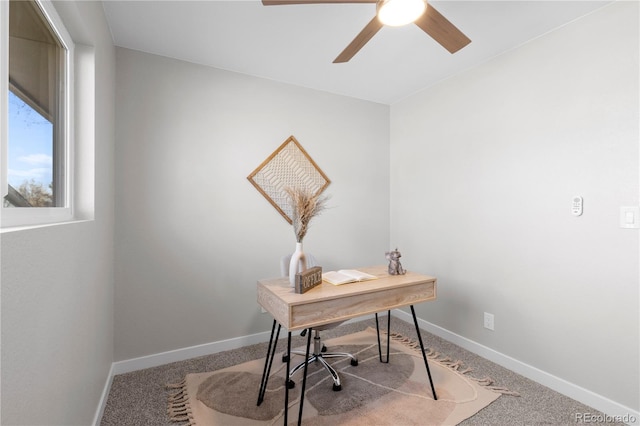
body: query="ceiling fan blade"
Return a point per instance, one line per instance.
(361, 39)
(283, 2)
(441, 30)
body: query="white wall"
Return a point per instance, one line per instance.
(483, 169)
(57, 282)
(192, 234)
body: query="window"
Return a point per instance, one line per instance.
(36, 95)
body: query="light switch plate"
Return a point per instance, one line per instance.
(630, 217)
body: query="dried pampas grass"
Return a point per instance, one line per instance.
(305, 205)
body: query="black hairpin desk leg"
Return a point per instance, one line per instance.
(286, 379)
(424, 355)
(388, 336)
(304, 379)
(268, 361)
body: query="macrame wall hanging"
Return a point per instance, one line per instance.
(288, 166)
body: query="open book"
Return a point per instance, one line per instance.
(345, 276)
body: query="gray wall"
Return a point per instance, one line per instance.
(192, 234)
(483, 169)
(57, 281)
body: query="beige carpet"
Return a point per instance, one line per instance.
(373, 393)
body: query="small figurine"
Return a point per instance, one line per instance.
(395, 268)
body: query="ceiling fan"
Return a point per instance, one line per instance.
(419, 12)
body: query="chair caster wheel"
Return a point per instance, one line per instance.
(354, 362)
(324, 348)
(285, 358)
(337, 388)
(291, 384)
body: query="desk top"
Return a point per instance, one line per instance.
(328, 303)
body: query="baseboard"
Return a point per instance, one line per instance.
(103, 398)
(155, 360)
(615, 411)
(183, 354)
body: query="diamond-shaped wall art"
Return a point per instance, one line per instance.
(288, 166)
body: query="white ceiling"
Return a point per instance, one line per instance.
(297, 43)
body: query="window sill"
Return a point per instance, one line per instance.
(8, 229)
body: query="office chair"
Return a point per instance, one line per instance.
(319, 349)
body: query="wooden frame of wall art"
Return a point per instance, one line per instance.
(288, 166)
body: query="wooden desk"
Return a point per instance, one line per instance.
(328, 303)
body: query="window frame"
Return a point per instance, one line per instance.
(63, 141)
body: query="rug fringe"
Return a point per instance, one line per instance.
(179, 409)
(488, 383)
(446, 361)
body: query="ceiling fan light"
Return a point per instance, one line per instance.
(400, 12)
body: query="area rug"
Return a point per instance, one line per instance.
(373, 393)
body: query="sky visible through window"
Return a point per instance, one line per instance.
(30, 147)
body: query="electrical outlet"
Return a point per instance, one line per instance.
(488, 321)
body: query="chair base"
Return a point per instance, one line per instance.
(319, 356)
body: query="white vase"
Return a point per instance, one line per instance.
(298, 264)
